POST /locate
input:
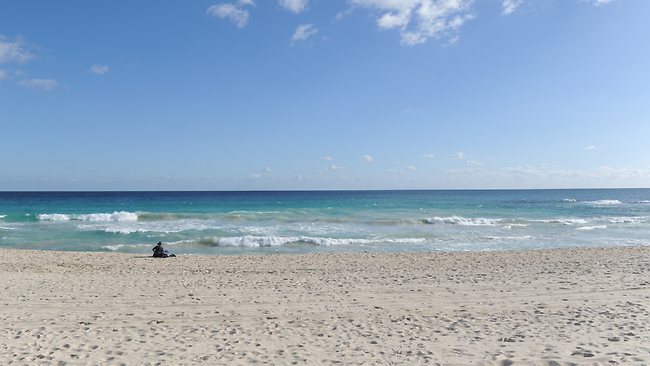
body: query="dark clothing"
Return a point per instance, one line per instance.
(158, 251)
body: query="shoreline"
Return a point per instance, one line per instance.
(546, 306)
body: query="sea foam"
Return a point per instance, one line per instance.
(462, 221)
(94, 217)
(269, 241)
(589, 228)
(604, 202)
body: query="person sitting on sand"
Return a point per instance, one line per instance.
(159, 252)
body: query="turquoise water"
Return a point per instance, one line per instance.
(268, 222)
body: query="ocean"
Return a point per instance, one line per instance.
(211, 223)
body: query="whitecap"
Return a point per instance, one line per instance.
(94, 217)
(569, 200)
(604, 202)
(568, 222)
(462, 221)
(589, 228)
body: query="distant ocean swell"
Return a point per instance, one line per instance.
(174, 222)
(236, 222)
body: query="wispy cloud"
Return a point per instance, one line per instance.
(458, 156)
(98, 69)
(333, 168)
(599, 2)
(294, 6)
(343, 14)
(3, 74)
(40, 84)
(14, 51)
(428, 156)
(509, 6)
(420, 20)
(264, 172)
(590, 147)
(235, 12)
(328, 158)
(303, 32)
(367, 158)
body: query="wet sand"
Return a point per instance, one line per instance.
(549, 307)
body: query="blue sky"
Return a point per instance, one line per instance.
(324, 94)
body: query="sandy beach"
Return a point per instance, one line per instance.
(547, 307)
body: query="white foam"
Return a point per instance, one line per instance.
(625, 220)
(53, 217)
(269, 241)
(492, 237)
(113, 247)
(94, 217)
(463, 221)
(2, 216)
(568, 222)
(589, 228)
(604, 202)
(569, 200)
(7, 228)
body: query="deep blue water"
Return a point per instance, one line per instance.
(309, 221)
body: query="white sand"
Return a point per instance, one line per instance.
(580, 306)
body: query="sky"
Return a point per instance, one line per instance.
(324, 94)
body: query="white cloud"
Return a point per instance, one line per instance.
(234, 12)
(458, 156)
(328, 158)
(98, 69)
(3, 74)
(590, 147)
(367, 158)
(343, 14)
(13, 51)
(267, 169)
(41, 84)
(599, 2)
(428, 156)
(420, 20)
(303, 32)
(509, 6)
(294, 6)
(333, 168)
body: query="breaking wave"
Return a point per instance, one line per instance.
(604, 202)
(270, 241)
(567, 222)
(94, 217)
(589, 228)
(462, 221)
